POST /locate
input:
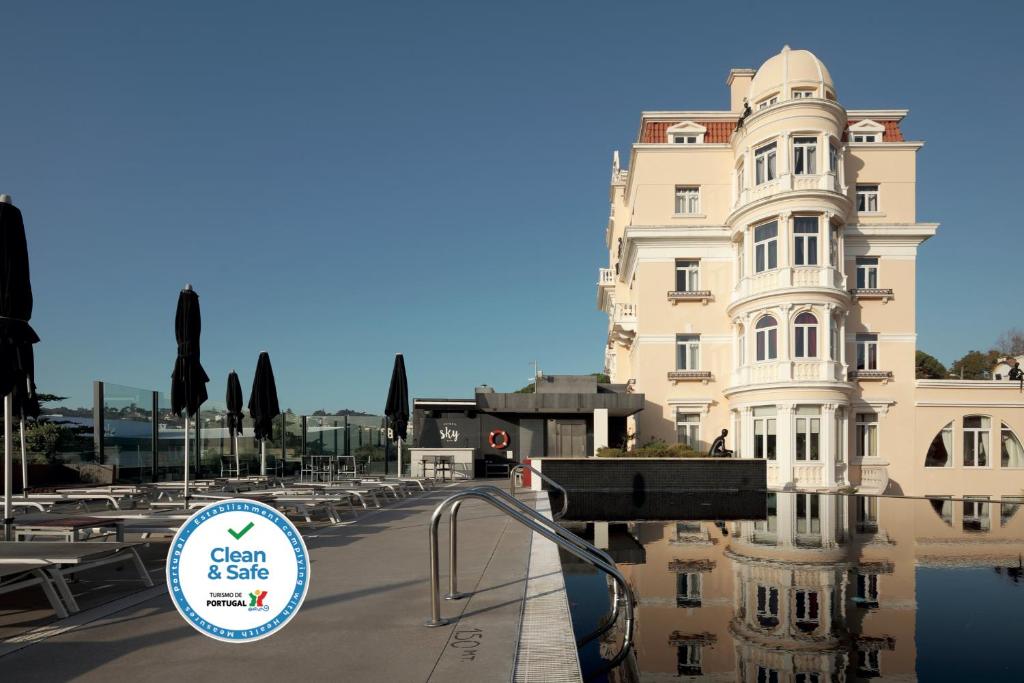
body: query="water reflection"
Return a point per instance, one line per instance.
(824, 588)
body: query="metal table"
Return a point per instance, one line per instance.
(445, 464)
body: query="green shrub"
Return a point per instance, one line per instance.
(653, 449)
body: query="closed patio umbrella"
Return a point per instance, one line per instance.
(263, 405)
(17, 375)
(397, 407)
(188, 380)
(234, 401)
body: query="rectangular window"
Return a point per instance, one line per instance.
(867, 351)
(976, 514)
(766, 675)
(766, 247)
(687, 276)
(808, 610)
(867, 198)
(685, 139)
(688, 659)
(869, 664)
(867, 514)
(833, 245)
(687, 352)
(688, 590)
(808, 433)
(805, 153)
(867, 272)
(867, 435)
(833, 158)
(799, 94)
(867, 590)
(977, 429)
(740, 179)
(865, 137)
(768, 606)
(764, 164)
(808, 516)
(764, 104)
(809, 677)
(765, 530)
(688, 429)
(764, 433)
(805, 240)
(687, 200)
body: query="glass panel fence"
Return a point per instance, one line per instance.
(127, 432)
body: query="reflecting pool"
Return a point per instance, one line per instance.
(818, 587)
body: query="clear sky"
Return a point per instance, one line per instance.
(341, 181)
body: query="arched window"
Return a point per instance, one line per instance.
(806, 336)
(767, 338)
(1012, 453)
(940, 452)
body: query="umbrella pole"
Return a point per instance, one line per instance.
(238, 465)
(186, 459)
(24, 463)
(8, 466)
(399, 457)
(263, 457)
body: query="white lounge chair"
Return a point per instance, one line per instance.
(14, 577)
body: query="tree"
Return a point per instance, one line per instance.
(975, 365)
(929, 367)
(1011, 342)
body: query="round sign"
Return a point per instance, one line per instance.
(238, 570)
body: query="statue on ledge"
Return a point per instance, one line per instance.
(718, 449)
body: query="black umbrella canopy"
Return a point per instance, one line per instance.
(397, 407)
(263, 405)
(188, 381)
(234, 401)
(17, 371)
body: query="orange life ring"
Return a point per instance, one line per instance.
(493, 439)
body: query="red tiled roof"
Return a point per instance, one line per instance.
(892, 130)
(656, 131)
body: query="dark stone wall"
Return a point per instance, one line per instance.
(645, 475)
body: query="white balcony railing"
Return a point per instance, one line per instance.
(624, 321)
(606, 277)
(788, 183)
(783, 278)
(809, 474)
(788, 371)
(874, 477)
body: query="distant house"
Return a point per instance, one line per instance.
(1001, 372)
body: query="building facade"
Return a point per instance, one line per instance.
(761, 279)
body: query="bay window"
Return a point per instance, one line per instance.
(805, 151)
(806, 336)
(764, 164)
(766, 247)
(808, 433)
(767, 338)
(764, 432)
(805, 241)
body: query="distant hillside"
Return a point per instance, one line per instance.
(354, 413)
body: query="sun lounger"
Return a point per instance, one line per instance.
(66, 558)
(360, 493)
(14, 577)
(114, 500)
(304, 503)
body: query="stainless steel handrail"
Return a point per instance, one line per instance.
(568, 536)
(523, 466)
(543, 530)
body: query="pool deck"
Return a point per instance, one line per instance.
(362, 618)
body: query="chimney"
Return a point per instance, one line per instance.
(739, 84)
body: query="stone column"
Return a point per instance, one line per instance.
(828, 441)
(784, 444)
(600, 429)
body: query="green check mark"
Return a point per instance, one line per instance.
(243, 532)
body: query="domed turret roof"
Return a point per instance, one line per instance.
(788, 70)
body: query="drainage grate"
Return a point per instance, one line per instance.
(547, 645)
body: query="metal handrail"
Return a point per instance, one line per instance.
(573, 548)
(565, 534)
(523, 466)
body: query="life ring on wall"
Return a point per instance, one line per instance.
(498, 440)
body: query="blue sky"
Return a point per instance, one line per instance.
(341, 181)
